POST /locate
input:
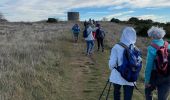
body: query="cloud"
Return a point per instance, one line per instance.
(118, 15)
(148, 3)
(152, 17)
(33, 10)
(38, 9)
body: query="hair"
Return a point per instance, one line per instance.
(156, 32)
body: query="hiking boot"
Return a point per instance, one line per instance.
(102, 50)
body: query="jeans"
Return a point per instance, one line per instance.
(128, 92)
(90, 45)
(163, 88)
(100, 42)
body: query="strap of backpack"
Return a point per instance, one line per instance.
(166, 44)
(157, 47)
(123, 45)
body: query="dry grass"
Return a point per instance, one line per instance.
(39, 61)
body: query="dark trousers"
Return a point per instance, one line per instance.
(100, 42)
(76, 36)
(127, 90)
(162, 86)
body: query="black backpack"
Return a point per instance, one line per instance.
(100, 33)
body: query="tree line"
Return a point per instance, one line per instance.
(142, 26)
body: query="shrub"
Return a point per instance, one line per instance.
(115, 20)
(133, 20)
(142, 29)
(52, 20)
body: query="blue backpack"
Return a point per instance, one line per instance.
(132, 63)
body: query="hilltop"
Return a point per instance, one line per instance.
(40, 61)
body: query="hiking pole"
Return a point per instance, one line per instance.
(108, 91)
(104, 89)
(138, 90)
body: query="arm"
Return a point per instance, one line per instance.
(73, 28)
(149, 64)
(113, 59)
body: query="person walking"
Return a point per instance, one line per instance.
(100, 34)
(154, 80)
(89, 39)
(128, 38)
(76, 31)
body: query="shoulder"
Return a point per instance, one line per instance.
(117, 47)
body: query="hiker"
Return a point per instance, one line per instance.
(87, 34)
(153, 78)
(76, 31)
(128, 38)
(85, 23)
(100, 34)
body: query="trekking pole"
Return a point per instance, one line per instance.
(138, 90)
(108, 91)
(104, 89)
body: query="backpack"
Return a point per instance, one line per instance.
(132, 63)
(76, 29)
(100, 33)
(85, 34)
(161, 60)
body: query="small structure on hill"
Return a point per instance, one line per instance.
(73, 16)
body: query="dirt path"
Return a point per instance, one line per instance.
(85, 72)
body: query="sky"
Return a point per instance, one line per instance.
(36, 10)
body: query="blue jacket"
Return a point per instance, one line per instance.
(151, 54)
(76, 29)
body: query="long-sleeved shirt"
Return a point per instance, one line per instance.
(116, 58)
(151, 54)
(90, 35)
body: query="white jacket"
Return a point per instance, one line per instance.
(128, 37)
(90, 36)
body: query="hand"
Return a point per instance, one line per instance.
(147, 85)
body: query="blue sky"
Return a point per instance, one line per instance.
(35, 10)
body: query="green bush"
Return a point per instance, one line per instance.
(167, 29)
(52, 20)
(142, 29)
(115, 20)
(133, 20)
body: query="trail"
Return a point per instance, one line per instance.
(85, 72)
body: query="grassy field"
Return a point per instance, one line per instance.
(40, 61)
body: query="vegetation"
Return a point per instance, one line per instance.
(2, 18)
(115, 20)
(40, 61)
(52, 20)
(142, 26)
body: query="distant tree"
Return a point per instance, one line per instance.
(52, 20)
(168, 24)
(115, 20)
(147, 21)
(133, 20)
(142, 29)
